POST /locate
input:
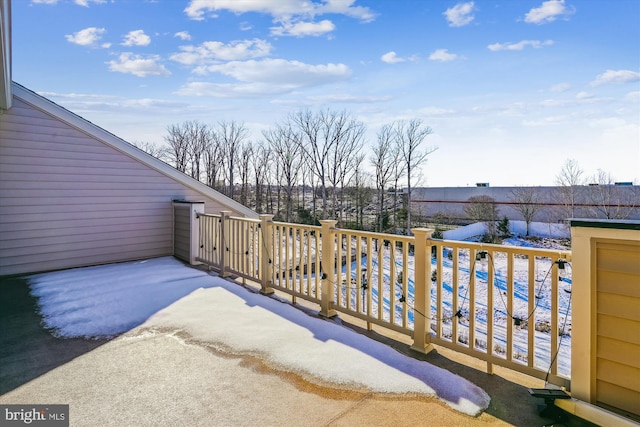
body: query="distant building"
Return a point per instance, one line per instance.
(621, 201)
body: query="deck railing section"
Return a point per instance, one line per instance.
(295, 253)
(507, 305)
(503, 304)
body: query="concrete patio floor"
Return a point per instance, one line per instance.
(165, 377)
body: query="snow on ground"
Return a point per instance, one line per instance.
(109, 300)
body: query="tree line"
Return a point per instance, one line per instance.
(309, 166)
(313, 165)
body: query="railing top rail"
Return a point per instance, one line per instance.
(382, 236)
(199, 214)
(525, 250)
(290, 224)
(234, 218)
(243, 219)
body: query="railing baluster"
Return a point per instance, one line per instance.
(531, 327)
(439, 273)
(490, 306)
(472, 300)
(555, 318)
(405, 284)
(369, 289)
(510, 312)
(392, 281)
(380, 273)
(455, 290)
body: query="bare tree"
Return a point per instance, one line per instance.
(260, 163)
(382, 160)
(286, 146)
(611, 201)
(244, 171)
(197, 140)
(322, 135)
(348, 136)
(399, 170)
(483, 209)
(410, 136)
(527, 202)
(359, 184)
(212, 155)
(570, 182)
(178, 142)
(230, 136)
(151, 148)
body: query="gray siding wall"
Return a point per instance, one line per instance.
(68, 199)
(182, 232)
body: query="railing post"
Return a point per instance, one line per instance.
(328, 268)
(266, 263)
(225, 234)
(422, 286)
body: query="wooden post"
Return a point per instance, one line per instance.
(266, 246)
(225, 236)
(328, 268)
(422, 286)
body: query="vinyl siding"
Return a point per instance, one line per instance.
(69, 199)
(618, 330)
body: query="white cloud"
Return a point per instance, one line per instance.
(437, 111)
(212, 51)
(348, 99)
(460, 14)
(87, 37)
(536, 44)
(279, 9)
(633, 96)
(129, 63)
(84, 3)
(183, 35)
(583, 95)
(616, 76)
(265, 77)
(280, 71)
(547, 12)
(391, 58)
(442, 55)
(301, 29)
(560, 87)
(136, 38)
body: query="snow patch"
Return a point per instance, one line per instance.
(163, 293)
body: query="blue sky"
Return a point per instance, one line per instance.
(511, 89)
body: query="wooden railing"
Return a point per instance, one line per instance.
(503, 304)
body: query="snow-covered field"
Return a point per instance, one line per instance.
(163, 294)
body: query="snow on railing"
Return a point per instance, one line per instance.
(506, 305)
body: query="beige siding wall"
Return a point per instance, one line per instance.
(618, 326)
(605, 338)
(68, 199)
